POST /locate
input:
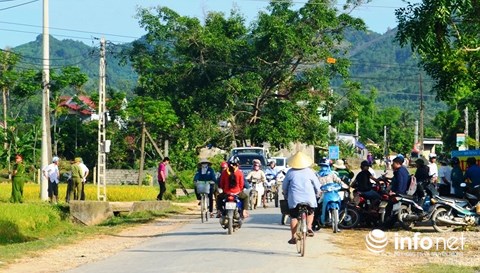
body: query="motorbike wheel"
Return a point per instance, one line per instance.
(437, 225)
(350, 218)
(405, 211)
(230, 222)
(334, 215)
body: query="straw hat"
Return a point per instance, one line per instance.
(339, 164)
(204, 160)
(299, 161)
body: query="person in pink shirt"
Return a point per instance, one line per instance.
(162, 177)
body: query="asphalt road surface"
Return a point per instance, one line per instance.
(259, 246)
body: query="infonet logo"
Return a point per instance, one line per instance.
(376, 241)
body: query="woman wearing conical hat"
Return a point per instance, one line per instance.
(301, 185)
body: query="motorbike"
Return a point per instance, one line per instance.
(452, 213)
(414, 209)
(232, 213)
(270, 188)
(256, 193)
(329, 207)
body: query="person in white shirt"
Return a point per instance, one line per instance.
(85, 171)
(432, 168)
(445, 179)
(52, 174)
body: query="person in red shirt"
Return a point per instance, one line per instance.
(233, 182)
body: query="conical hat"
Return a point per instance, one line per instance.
(299, 161)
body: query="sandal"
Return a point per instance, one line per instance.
(292, 241)
(310, 233)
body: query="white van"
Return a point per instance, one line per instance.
(250, 150)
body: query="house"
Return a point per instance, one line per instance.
(79, 105)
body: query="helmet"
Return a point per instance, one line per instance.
(455, 160)
(224, 164)
(55, 159)
(234, 160)
(432, 155)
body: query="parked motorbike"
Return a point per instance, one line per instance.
(232, 213)
(329, 207)
(414, 209)
(452, 213)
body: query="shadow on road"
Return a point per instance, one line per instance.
(219, 249)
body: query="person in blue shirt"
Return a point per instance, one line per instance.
(301, 185)
(401, 177)
(206, 173)
(271, 172)
(473, 174)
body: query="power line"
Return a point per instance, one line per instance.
(11, 7)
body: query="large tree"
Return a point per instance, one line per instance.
(265, 82)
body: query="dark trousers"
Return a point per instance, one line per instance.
(52, 189)
(163, 189)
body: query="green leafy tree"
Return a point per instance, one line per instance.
(266, 82)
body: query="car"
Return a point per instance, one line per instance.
(246, 161)
(250, 150)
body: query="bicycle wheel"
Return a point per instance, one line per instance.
(206, 207)
(304, 234)
(202, 207)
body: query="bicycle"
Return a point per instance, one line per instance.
(203, 188)
(301, 232)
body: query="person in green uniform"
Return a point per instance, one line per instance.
(18, 179)
(77, 178)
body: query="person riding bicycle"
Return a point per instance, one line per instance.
(258, 176)
(300, 185)
(232, 182)
(206, 173)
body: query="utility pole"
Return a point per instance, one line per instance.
(466, 127)
(385, 146)
(421, 114)
(102, 156)
(415, 137)
(45, 103)
(476, 130)
(142, 155)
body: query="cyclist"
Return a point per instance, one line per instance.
(206, 173)
(300, 185)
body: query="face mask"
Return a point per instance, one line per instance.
(256, 167)
(204, 166)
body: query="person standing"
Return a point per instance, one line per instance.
(473, 175)
(401, 177)
(433, 168)
(445, 179)
(18, 180)
(162, 177)
(77, 178)
(52, 174)
(301, 185)
(457, 177)
(85, 172)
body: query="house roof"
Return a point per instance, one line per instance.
(85, 107)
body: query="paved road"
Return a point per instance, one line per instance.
(259, 246)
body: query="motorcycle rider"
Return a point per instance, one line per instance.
(206, 173)
(300, 185)
(342, 170)
(401, 177)
(271, 174)
(232, 182)
(259, 176)
(364, 186)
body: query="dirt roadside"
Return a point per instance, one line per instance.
(89, 250)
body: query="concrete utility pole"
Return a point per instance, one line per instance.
(45, 103)
(415, 137)
(102, 156)
(476, 130)
(142, 156)
(466, 127)
(421, 114)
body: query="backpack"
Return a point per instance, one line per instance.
(412, 188)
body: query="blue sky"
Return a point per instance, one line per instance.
(21, 20)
